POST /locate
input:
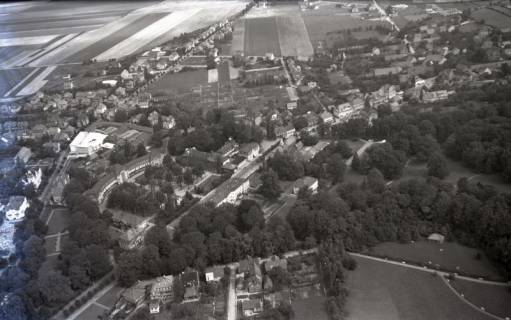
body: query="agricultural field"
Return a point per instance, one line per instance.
(498, 18)
(494, 299)
(72, 33)
(448, 256)
(381, 291)
(293, 37)
(261, 37)
(10, 78)
(114, 38)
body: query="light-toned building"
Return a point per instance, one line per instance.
(86, 143)
(15, 209)
(161, 290)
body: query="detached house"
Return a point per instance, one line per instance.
(214, 274)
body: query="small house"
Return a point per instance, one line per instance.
(251, 307)
(436, 237)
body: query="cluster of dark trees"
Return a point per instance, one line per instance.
(328, 164)
(206, 236)
(135, 199)
(475, 130)
(370, 213)
(123, 153)
(213, 132)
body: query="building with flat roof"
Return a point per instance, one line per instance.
(86, 143)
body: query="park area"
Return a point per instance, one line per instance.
(448, 256)
(381, 291)
(494, 299)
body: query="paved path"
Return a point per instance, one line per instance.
(362, 149)
(91, 301)
(231, 299)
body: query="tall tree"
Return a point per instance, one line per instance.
(437, 166)
(270, 187)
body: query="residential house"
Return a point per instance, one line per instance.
(229, 149)
(310, 183)
(162, 289)
(143, 100)
(153, 118)
(24, 154)
(230, 191)
(386, 71)
(250, 270)
(168, 122)
(190, 280)
(154, 306)
(274, 262)
(433, 96)
(252, 307)
(250, 151)
(15, 210)
(214, 274)
(285, 132)
(327, 117)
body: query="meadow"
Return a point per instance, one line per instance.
(381, 291)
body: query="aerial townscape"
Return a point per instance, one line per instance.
(245, 159)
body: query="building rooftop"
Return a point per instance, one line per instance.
(85, 139)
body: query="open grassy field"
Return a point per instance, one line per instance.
(310, 308)
(324, 27)
(293, 37)
(380, 291)
(102, 45)
(261, 37)
(456, 171)
(494, 299)
(493, 18)
(449, 256)
(92, 312)
(59, 221)
(180, 81)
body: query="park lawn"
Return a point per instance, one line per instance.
(49, 245)
(59, 221)
(495, 299)
(457, 170)
(448, 256)
(381, 291)
(310, 308)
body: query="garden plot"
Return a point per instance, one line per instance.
(145, 36)
(261, 37)
(293, 37)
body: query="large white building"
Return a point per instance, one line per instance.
(15, 209)
(86, 143)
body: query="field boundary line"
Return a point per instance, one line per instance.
(426, 269)
(8, 93)
(466, 301)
